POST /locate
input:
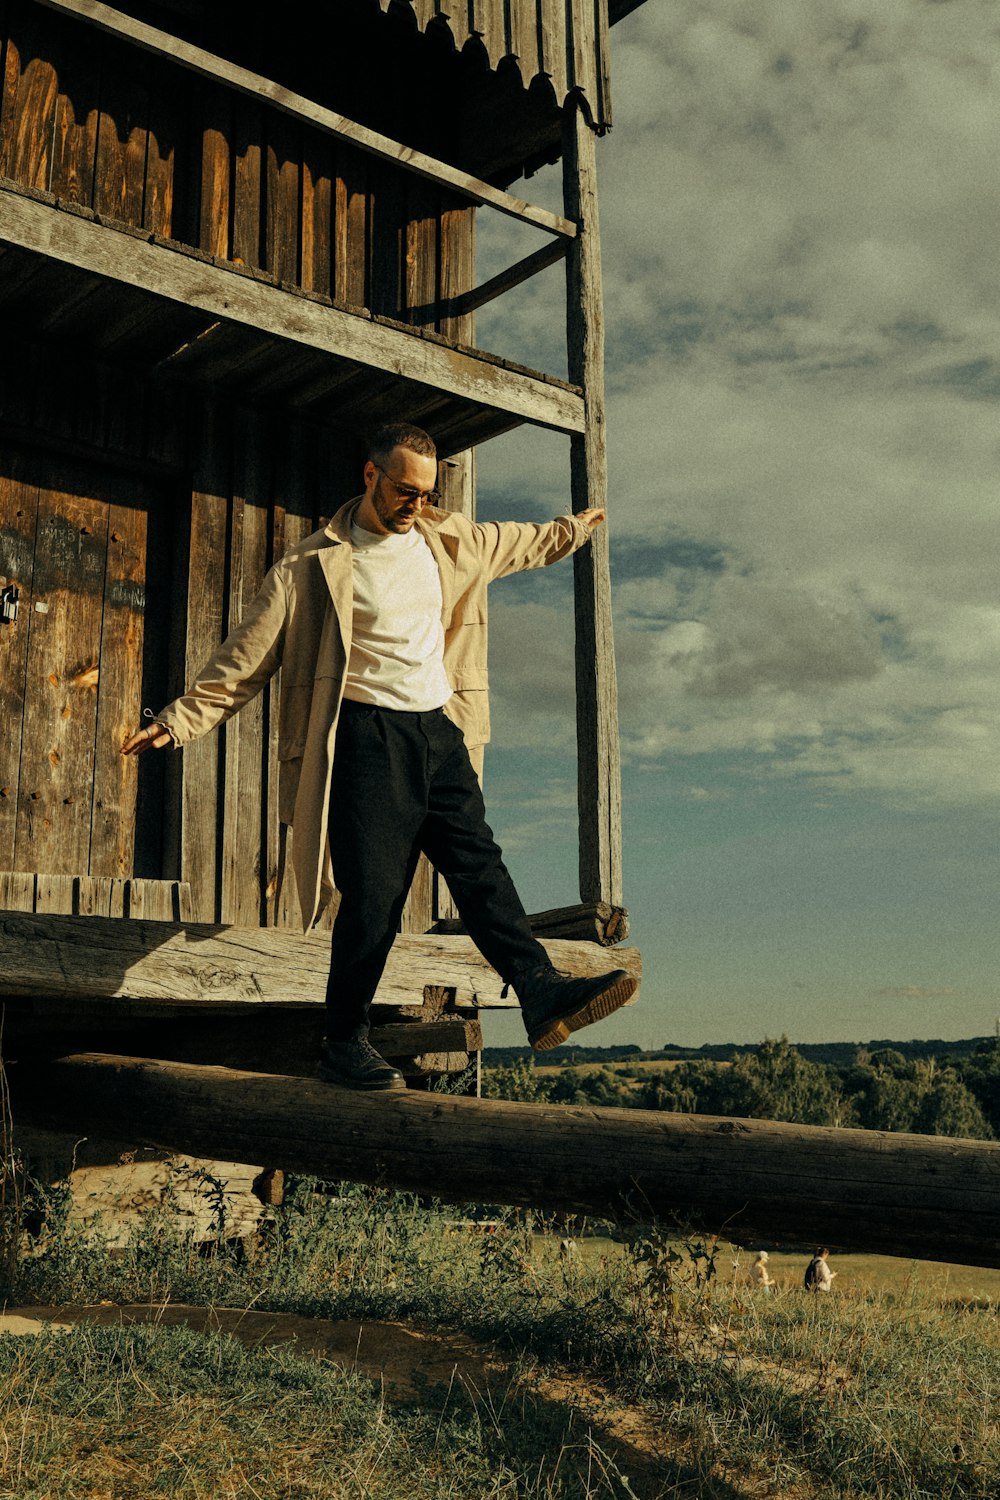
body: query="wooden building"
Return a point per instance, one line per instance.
(232, 239)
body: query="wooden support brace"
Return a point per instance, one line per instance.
(505, 281)
(909, 1195)
(593, 921)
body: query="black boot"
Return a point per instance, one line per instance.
(356, 1065)
(555, 1004)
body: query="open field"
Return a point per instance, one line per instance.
(887, 1278)
(646, 1066)
(391, 1351)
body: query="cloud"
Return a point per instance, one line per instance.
(800, 214)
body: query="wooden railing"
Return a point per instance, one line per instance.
(165, 136)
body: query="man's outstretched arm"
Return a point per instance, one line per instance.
(514, 546)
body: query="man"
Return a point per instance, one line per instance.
(378, 623)
(819, 1277)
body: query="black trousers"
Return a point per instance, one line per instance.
(403, 784)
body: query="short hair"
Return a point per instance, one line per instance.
(400, 435)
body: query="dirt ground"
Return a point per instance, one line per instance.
(406, 1360)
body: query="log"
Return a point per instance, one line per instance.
(164, 967)
(267, 1039)
(593, 921)
(925, 1196)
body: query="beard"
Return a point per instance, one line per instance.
(398, 520)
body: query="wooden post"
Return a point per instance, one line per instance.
(893, 1194)
(598, 754)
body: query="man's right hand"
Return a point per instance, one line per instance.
(152, 737)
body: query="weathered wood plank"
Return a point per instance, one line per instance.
(17, 890)
(582, 55)
(119, 688)
(93, 895)
(61, 680)
(179, 965)
(420, 278)
(554, 45)
(215, 121)
(205, 629)
(387, 211)
(164, 119)
(594, 921)
(418, 912)
(351, 239)
(254, 85)
(524, 37)
(122, 128)
(602, 46)
(598, 752)
(28, 108)
(243, 735)
(239, 299)
(74, 142)
(55, 894)
(895, 1194)
(18, 520)
(457, 266)
(151, 900)
(317, 214)
(282, 199)
(247, 131)
(293, 519)
(487, 22)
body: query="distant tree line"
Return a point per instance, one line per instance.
(878, 1089)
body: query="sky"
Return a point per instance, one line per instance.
(800, 211)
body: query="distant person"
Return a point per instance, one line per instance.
(819, 1277)
(760, 1276)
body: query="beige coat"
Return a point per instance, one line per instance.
(301, 622)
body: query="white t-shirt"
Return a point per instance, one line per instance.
(397, 647)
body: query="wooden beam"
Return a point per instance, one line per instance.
(598, 751)
(266, 1038)
(909, 1195)
(163, 269)
(593, 921)
(504, 281)
(255, 86)
(103, 966)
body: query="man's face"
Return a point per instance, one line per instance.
(396, 493)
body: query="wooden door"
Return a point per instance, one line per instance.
(86, 548)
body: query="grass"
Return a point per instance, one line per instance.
(645, 1369)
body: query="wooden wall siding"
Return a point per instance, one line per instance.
(564, 41)
(95, 896)
(74, 539)
(97, 123)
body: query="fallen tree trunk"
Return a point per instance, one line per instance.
(924, 1196)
